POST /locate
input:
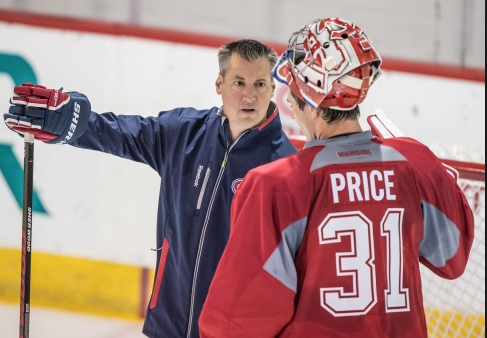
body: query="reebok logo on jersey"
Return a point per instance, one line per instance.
(236, 183)
(355, 153)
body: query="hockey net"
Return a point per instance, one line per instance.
(456, 308)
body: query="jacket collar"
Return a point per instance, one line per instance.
(270, 125)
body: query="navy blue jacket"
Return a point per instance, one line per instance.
(199, 168)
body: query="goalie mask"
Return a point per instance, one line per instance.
(329, 63)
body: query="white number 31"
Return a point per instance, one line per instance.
(358, 263)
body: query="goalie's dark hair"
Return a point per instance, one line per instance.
(249, 50)
(331, 115)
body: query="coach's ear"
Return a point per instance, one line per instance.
(218, 84)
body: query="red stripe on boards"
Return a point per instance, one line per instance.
(192, 38)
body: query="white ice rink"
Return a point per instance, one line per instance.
(48, 323)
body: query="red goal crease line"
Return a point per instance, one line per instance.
(192, 38)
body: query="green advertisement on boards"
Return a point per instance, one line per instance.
(20, 71)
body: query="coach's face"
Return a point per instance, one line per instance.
(246, 91)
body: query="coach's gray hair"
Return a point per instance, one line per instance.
(247, 49)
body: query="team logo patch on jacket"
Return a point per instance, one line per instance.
(236, 183)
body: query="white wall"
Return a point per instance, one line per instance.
(437, 31)
(103, 207)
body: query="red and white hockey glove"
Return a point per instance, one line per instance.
(383, 127)
(50, 115)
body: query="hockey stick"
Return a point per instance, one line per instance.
(383, 127)
(26, 235)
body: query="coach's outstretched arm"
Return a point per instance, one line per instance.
(50, 115)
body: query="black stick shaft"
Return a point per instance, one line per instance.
(26, 235)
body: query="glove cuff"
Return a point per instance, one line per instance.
(79, 109)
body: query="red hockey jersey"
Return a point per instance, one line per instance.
(328, 242)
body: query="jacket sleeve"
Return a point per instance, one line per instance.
(253, 291)
(141, 139)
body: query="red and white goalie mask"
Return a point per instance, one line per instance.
(329, 63)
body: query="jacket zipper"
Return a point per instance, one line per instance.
(203, 231)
